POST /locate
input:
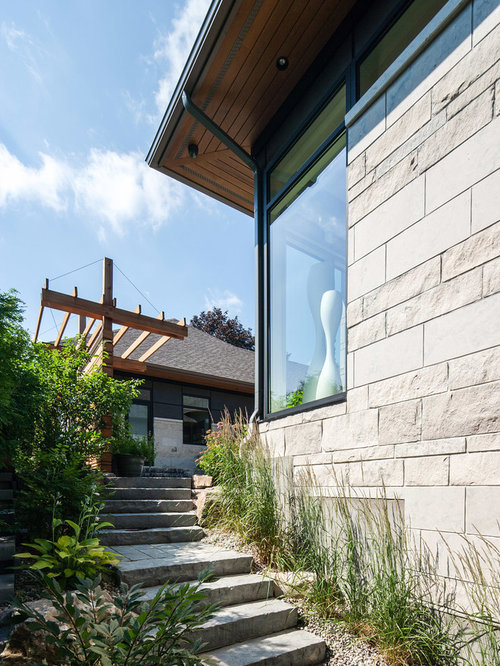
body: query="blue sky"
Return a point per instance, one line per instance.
(83, 86)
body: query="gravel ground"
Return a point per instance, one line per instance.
(343, 648)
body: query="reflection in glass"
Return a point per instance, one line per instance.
(307, 283)
(138, 420)
(196, 419)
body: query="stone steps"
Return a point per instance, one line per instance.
(128, 537)
(147, 520)
(159, 541)
(151, 493)
(148, 505)
(229, 590)
(150, 482)
(234, 624)
(177, 562)
(293, 647)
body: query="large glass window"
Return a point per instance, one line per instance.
(307, 255)
(138, 418)
(196, 419)
(395, 40)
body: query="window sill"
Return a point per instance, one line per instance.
(316, 404)
(404, 60)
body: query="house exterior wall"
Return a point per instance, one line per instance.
(422, 412)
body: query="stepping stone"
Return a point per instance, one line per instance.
(152, 535)
(150, 482)
(229, 590)
(147, 520)
(147, 505)
(235, 624)
(288, 648)
(150, 493)
(177, 562)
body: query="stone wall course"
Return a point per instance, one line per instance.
(376, 473)
(476, 250)
(474, 369)
(370, 330)
(491, 278)
(490, 442)
(390, 218)
(303, 439)
(445, 227)
(475, 469)
(337, 409)
(486, 202)
(472, 328)
(435, 508)
(370, 453)
(392, 356)
(366, 274)
(467, 411)
(463, 167)
(437, 301)
(429, 471)
(434, 447)
(486, 17)
(400, 422)
(485, 82)
(358, 429)
(400, 289)
(415, 384)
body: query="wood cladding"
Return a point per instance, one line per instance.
(241, 89)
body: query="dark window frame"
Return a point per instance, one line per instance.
(149, 405)
(193, 395)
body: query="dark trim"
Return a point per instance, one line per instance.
(219, 133)
(306, 407)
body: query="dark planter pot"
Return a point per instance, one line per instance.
(128, 464)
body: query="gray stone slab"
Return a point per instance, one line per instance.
(234, 624)
(132, 537)
(148, 520)
(151, 493)
(147, 505)
(181, 562)
(229, 590)
(150, 482)
(287, 648)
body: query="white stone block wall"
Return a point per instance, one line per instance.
(423, 403)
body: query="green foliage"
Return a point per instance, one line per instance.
(20, 392)
(130, 632)
(126, 442)
(70, 556)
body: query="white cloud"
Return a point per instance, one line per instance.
(115, 190)
(173, 48)
(226, 300)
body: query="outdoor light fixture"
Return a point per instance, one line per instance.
(193, 150)
(282, 63)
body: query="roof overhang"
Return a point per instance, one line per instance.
(232, 76)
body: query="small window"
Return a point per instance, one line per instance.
(196, 419)
(395, 40)
(138, 418)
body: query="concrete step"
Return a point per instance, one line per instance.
(150, 482)
(6, 586)
(235, 624)
(229, 590)
(293, 647)
(148, 520)
(153, 535)
(156, 564)
(147, 506)
(151, 493)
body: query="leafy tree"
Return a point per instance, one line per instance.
(221, 326)
(20, 390)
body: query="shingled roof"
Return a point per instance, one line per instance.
(199, 352)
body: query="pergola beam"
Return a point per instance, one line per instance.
(140, 339)
(82, 306)
(124, 329)
(158, 344)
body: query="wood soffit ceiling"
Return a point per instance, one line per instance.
(232, 76)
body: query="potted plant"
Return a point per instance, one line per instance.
(130, 452)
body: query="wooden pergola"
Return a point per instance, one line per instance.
(96, 321)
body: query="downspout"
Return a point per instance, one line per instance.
(247, 159)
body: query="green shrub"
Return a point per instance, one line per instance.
(126, 442)
(70, 556)
(130, 632)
